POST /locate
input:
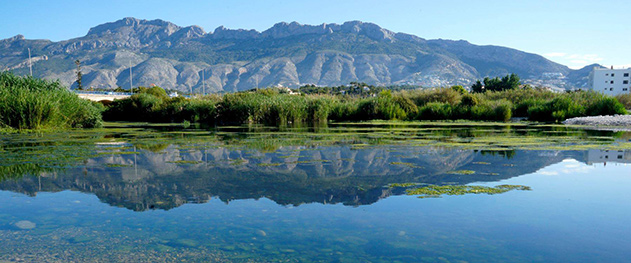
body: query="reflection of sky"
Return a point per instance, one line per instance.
(568, 166)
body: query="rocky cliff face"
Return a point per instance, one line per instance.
(288, 54)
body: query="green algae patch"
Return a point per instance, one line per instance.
(269, 164)
(237, 162)
(406, 164)
(440, 190)
(185, 162)
(117, 153)
(402, 185)
(462, 172)
(113, 165)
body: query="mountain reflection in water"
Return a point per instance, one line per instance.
(172, 175)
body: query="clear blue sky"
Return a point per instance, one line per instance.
(571, 32)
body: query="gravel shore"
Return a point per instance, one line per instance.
(602, 121)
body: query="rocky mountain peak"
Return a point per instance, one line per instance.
(14, 38)
(370, 30)
(222, 32)
(130, 25)
(189, 32)
(284, 29)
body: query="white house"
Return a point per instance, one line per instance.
(610, 81)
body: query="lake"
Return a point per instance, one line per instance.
(355, 192)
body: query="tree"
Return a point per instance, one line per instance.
(507, 82)
(459, 89)
(477, 87)
(79, 75)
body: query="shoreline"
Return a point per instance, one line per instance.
(605, 122)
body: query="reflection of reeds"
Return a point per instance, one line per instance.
(24, 169)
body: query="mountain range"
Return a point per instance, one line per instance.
(190, 59)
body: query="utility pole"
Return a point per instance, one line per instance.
(131, 79)
(30, 63)
(257, 82)
(203, 83)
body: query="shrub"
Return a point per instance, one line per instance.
(436, 111)
(606, 106)
(492, 111)
(522, 107)
(558, 109)
(459, 89)
(138, 107)
(625, 99)
(443, 95)
(469, 100)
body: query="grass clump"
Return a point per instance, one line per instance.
(28, 103)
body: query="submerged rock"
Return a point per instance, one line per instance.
(25, 225)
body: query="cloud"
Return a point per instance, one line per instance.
(555, 54)
(592, 58)
(579, 62)
(574, 60)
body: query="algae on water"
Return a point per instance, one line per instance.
(440, 190)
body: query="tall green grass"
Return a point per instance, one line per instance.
(272, 107)
(31, 103)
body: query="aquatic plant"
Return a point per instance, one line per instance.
(440, 190)
(461, 172)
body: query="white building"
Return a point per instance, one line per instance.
(610, 81)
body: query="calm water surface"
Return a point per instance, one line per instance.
(336, 194)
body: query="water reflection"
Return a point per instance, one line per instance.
(167, 177)
(259, 194)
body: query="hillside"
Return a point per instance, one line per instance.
(288, 54)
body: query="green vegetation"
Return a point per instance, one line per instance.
(28, 103)
(430, 191)
(508, 82)
(501, 101)
(625, 99)
(463, 172)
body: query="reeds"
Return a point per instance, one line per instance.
(28, 103)
(271, 107)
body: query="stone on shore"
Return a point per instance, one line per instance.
(599, 121)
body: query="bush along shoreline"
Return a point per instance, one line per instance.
(28, 103)
(275, 106)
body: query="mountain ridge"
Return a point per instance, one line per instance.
(288, 54)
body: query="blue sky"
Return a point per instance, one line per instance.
(573, 33)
